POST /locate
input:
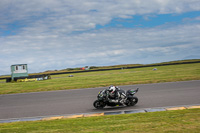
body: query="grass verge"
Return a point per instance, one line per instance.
(167, 121)
(169, 73)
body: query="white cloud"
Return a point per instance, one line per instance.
(104, 47)
(55, 34)
(67, 16)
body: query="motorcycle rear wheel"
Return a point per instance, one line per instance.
(99, 104)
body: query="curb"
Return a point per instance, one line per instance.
(97, 114)
(193, 107)
(134, 111)
(155, 109)
(114, 113)
(45, 118)
(53, 118)
(176, 108)
(74, 116)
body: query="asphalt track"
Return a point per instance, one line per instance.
(81, 100)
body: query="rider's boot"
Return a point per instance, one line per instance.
(122, 101)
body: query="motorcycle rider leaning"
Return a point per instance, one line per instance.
(115, 95)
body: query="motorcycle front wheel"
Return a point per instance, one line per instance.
(132, 101)
(99, 104)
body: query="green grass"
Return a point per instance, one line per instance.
(169, 73)
(187, 121)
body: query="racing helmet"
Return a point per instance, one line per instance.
(112, 89)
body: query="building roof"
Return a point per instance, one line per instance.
(18, 64)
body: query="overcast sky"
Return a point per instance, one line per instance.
(59, 34)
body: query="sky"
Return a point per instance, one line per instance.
(60, 34)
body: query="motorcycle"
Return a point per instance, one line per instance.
(129, 100)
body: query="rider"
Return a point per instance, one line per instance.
(115, 95)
